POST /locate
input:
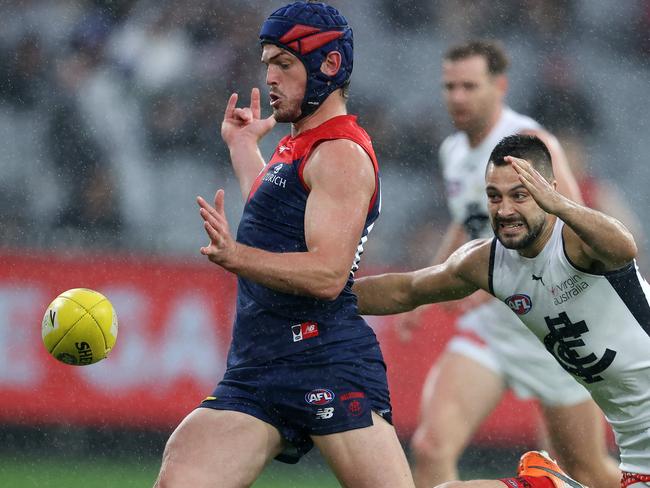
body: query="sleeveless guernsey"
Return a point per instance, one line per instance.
(270, 324)
(597, 326)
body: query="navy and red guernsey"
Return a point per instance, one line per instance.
(270, 324)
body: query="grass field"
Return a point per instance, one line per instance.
(106, 473)
(84, 458)
(51, 472)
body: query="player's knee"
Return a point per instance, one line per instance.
(168, 470)
(587, 473)
(165, 478)
(160, 482)
(577, 462)
(429, 447)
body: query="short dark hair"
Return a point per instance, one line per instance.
(528, 147)
(345, 89)
(493, 52)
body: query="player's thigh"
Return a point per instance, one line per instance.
(459, 392)
(370, 457)
(576, 432)
(209, 445)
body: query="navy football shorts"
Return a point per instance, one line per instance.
(329, 389)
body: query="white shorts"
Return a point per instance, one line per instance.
(634, 447)
(493, 336)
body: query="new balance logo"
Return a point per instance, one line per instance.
(325, 413)
(306, 330)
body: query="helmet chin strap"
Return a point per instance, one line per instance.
(308, 107)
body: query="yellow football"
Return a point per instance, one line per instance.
(79, 327)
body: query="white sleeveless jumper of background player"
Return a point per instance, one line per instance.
(596, 326)
(509, 348)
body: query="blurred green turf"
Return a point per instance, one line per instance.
(106, 473)
(47, 471)
(50, 473)
(69, 457)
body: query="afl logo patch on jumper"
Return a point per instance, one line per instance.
(320, 396)
(519, 304)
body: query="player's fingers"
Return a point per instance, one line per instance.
(255, 103)
(210, 215)
(213, 234)
(269, 123)
(230, 106)
(522, 170)
(205, 205)
(513, 162)
(205, 215)
(522, 166)
(512, 159)
(202, 204)
(244, 114)
(216, 221)
(527, 180)
(219, 202)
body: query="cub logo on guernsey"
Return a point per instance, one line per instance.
(519, 303)
(320, 396)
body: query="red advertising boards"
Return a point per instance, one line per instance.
(175, 320)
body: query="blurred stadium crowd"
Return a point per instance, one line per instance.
(110, 109)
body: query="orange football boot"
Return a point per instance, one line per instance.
(539, 463)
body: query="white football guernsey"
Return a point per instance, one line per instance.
(509, 348)
(596, 325)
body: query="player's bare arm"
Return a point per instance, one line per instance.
(455, 236)
(341, 178)
(566, 182)
(464, 272)
(593, 240)
(241, 129)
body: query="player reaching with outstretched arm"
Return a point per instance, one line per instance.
(491, 351)
(303, 367)
(589, 308)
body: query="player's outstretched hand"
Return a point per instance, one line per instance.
(245, 124)
(222, 246)
(541, 190)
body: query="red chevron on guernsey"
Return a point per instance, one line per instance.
(305, 39)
